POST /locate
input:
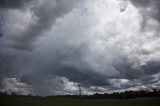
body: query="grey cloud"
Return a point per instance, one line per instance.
(10, 4)
(148, 8)
(7, 57)
(1, 31)
(127, 71)
(46, 13)
(151, 67)
(80, 45)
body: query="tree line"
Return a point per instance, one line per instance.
(119, 95)
(114, 95)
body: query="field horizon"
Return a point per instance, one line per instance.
(61, 101)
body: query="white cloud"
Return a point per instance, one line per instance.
(13, 85)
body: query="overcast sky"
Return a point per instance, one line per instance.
(49, 47)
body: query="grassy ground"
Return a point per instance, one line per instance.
(62, 101)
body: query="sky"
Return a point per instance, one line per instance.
(49, 47)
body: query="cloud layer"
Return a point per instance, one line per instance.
(54, 45)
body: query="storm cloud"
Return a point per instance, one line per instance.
(49, 47)
(13, 4)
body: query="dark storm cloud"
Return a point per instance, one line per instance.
(71, 51)
(46, 69)
(128, 72)
(46, 13)
(52, 66)
(10, 4)
(8, 57)
(151, 67)
(148, 8)
(1, 32)
(86, 78)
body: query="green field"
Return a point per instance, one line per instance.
(62, 101)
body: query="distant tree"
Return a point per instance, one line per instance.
(13, 94)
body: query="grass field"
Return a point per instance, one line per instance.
(62, 101)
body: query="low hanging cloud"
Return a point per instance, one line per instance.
(13, 85)
(55, 45)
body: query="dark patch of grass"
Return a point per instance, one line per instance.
(65, 101)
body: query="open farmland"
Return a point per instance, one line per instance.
(65, 101)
